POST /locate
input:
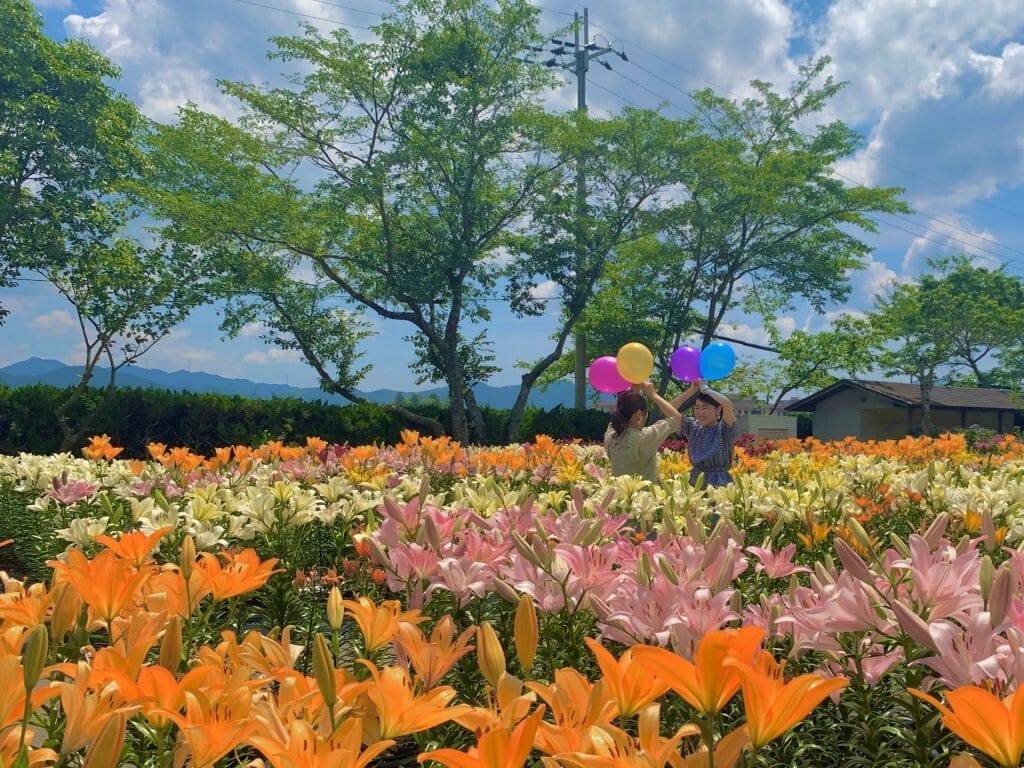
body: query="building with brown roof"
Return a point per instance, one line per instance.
(882, 410)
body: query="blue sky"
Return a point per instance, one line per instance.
(936, 89)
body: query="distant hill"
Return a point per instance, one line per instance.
(55, 373)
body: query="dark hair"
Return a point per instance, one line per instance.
(704, 397)
(627, 404)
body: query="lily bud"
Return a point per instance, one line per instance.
(985, 579)
(335, 609)
(859, 534)
(937, 530)
(851, 562)
(323, 670)
(643, 569)
(1001, 598)
(34, 656)
(489, 654)
(988, 527)
(900, 545)
(526, 632)
(66, 607)
(666, 569)
(187, 557)
(914, 626)
(170, 646)
(105, 749)
(504, 591)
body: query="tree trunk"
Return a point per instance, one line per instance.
(476, 418)
(927, 382)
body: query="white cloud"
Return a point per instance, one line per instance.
(1005, 73)
(875, 278)
(546, 290)
(251, 330)
(57, 322)
(744, 332)
(272, 356)
(785, 325)
(950, 234)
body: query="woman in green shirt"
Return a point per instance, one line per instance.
(631, 446)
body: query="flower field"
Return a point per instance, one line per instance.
(842, 604)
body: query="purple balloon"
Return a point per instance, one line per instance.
(604, 375)
(685, 363)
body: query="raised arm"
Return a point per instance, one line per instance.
(691, 392)
(728, 416)
(668, 410)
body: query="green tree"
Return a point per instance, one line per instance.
(812, 361)
(954, 317)
(629, 160)
(988, 307)
(66, 141)
(914, 337)
(69, 148)
(126, 298)
(760, 219)
(391, 170)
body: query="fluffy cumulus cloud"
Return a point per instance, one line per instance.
(272, 356)
(57, 322)
(937, 87)
(174, 51)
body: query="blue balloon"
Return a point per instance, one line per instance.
(717, 360)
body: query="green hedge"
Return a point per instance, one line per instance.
(135, 417)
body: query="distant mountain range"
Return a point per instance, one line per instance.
(36, 370)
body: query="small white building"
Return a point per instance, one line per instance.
(884, 410)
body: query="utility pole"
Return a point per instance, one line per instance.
(581, 55)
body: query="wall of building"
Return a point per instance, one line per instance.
(770, 427)
(839, 416)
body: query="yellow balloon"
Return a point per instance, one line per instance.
(635, 362)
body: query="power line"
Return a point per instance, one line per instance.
(378, 14)
(303, 15)
(721, 89)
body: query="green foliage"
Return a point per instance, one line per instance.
(951, 319)
(67, 142)
(135, 417)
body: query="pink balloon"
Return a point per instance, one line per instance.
(685, 363)
(604, 376)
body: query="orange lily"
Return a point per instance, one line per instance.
(378, 623)
(708, 684)
(496, 749)
(580, 710)
(106, 583)
(399, 711)
(433, 659)
(212, 726)
(99, 447)
(25, 609)
(11, 744)
(242, 572)
(157, 689)
(87, 712)
(135, 546)
(632, 685)
(168, 590)
(984, 720)
(510, 705)
(299, 746)
(12, 692)
(773, 706)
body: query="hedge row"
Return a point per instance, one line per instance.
(135, 417)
